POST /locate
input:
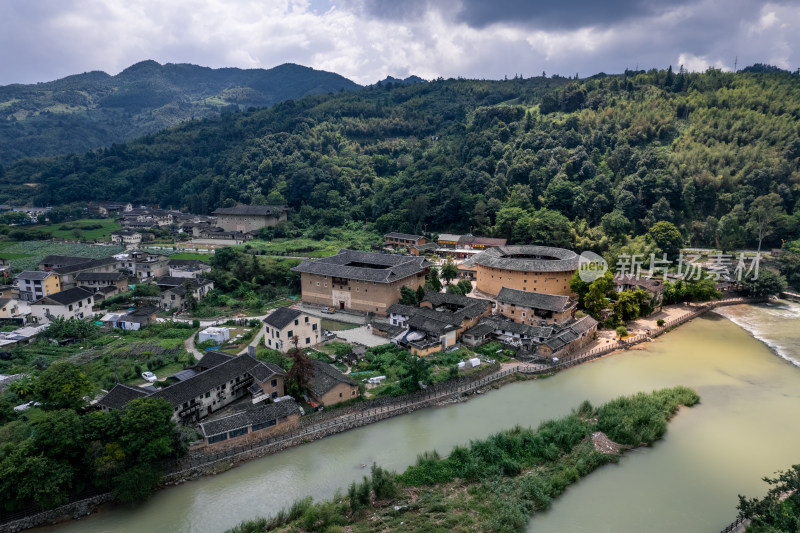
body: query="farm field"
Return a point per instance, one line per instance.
(85, 229)
(26, 255)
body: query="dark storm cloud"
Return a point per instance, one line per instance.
(541, 14)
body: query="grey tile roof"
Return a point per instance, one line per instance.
(207, 380)
(433, 325)
(69, 296)
(521, 329)
(119, 396)
(489, 241)
(212, 359)
(365, 266)
(326, 378)
(282, 317)
(535, 300)
(450, 237)
(183, 375)
(257, 415)
(63, 260)
(481, 330)
(528, 259)
(251, 210)
(100, 276)
(33, 275)
(461, 306)
(407, 236)
(582, 325)
(401, 309)
(653, 285)
(88, 265)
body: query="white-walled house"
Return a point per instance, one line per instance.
(71, 303)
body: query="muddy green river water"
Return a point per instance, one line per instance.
(744, 365)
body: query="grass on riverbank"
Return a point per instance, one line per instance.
(494, 484)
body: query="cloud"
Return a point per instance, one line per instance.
(366, 40)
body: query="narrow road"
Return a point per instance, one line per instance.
(191, 348)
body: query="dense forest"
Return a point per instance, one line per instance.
(90, 110)
(544, 160)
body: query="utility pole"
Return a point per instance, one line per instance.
(735, 64)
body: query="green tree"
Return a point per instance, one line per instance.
(763, 212)
(420, 293)
(766, 283)
(622, 331)
(627, 306)
(417, 371)
(465, 286)
(432, 282)
(63, 385)
(408, 296)
(449, 271)
(615, 224)
(666, 237)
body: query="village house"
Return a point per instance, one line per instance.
(651, 286)
(403, 240)
(219, 236)
(361, 281)
(9, 308)
(204, 391)
(535, 308)
(95, 281)
(34, 284)
(328, 386)
(247, 218)
(126, 237)
(71, 303)
(143, 265)
(570, 339)
(285, 323)
(57, 261)
(188, 268)
(109, 208)
(69, 273)
(252, 423)
(438, 323)
(131, 320)
(175, 295)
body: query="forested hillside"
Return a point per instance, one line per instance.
(553, 161)
(87, 111)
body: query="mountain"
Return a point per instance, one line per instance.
(397, 81)
(87, 111)
(549, 161)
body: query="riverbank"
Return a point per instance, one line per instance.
(452, 398)
(495, 483)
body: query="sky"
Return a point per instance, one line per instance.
(366, 40)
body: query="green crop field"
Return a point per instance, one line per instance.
(84, 229)
(26, 255)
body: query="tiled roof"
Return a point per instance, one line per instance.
(401, 309)
(282, 317)
(89, 264)
(407, 236)
(450, 237)
(652, 285)
(63, 260)
(431, 324)
(535, 300)
(213, 358)
(521, 329)
(100, 276)
(489, 241)
(258, 415)
(536, 259)
(69, 296)
(33, 275)
(326, 378)
(119, 396)
(203, 382)
(365, 266)
(251, 210)
(481, 330)
(582, 325)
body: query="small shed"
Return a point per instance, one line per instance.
(474, 362)
(218, 335)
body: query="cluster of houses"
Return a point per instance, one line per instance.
(447, 244)
(225, 226)
(70, 287)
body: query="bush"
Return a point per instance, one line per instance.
(660, 322)
(622, 331)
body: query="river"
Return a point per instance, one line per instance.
(746, 426)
